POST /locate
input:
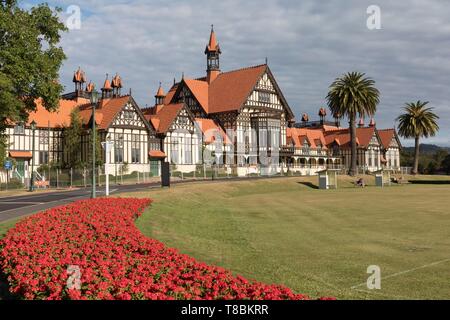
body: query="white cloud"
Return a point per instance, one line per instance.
(308, 44)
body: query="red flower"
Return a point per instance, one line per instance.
(92, 250)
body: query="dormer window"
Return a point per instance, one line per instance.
(19, 128)
(264, 97)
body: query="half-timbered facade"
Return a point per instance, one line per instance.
(247, 102)
(118, 118)
(391, 147)
(174, 125)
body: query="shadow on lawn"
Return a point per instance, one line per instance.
(308, 184)
(4, 292)
(429, 181)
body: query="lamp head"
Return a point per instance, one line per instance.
(94, 97)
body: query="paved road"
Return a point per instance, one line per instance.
(17, 206)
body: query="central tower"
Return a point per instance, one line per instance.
(212, 52)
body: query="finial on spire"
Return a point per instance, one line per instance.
(182, 75)
(212, 28)
(266, 60)
(174, 81)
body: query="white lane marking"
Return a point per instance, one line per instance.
(43, 203)
(405, 271)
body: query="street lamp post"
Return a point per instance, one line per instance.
(33, 129)
(94, 101)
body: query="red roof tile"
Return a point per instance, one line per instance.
(230, 90)
(363, 136)
(57, 119)
(162, 120)
(386, 136)
(210, 129)
(314, 137)
(156, 154)
(106, 114)
(20, 154)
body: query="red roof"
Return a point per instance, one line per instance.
(156, 154)
(106, 114)
(164, 118)
(386, 136)
(57, 119)
(342, 136)
(230, 90)
(314, 137)
(20, 154)
(210, 129)
(170, 94)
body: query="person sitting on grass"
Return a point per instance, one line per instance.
(360, 183)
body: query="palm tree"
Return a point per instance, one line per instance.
(417, 121)
(353, 95)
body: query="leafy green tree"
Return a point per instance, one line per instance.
(30, 59)
(98, 150)
(446, 164)
(353, 95)
(418, 121)
(3, 147)
(72, 140)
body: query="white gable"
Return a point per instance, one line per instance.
(128, 117)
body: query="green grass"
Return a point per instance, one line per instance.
(318, 242)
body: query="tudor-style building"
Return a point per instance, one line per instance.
(118, 118)
(240, 116)
(247, 101)
(175, 126)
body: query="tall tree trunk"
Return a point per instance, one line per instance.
(416, 156)
(352, 170)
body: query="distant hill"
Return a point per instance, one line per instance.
(427, 148)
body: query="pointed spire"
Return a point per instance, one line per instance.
(79, 76)
(361, 123)
(160, 92)
(117, 81)
(160, 95)
(305, 117)
(107, 84)
(90, 87)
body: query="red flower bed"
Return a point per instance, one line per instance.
(98, 238)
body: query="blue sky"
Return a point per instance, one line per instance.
(308, 44)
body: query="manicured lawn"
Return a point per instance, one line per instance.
(315, 242)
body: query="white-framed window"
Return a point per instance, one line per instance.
(135, 148)
(43, 157)
(264, 97)
(118, 148)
